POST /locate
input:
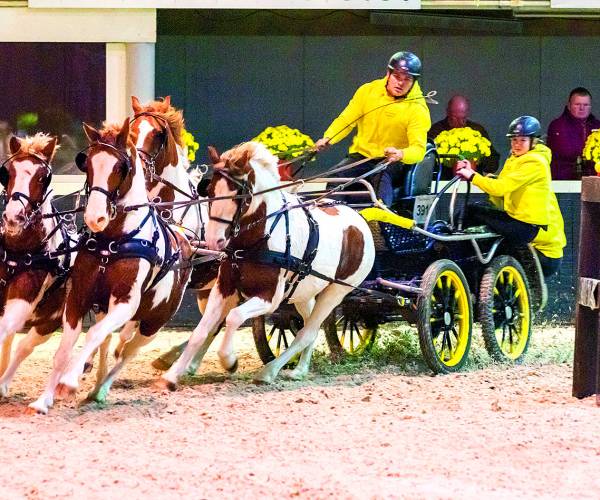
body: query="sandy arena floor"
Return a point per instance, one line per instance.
(494, 433)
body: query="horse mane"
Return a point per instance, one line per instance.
(35, 144)
(173, 116)
(110, 131)
(257, 155)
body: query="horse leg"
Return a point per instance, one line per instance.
(6, 351)
(130, 349)
(301, 369)
(89, 364)
(325, 302)
(249, 309)
(117, 316)
(35, 337)
(166, 360)
(216, 310)
(61, 358)
(102, 362)
(125, 335)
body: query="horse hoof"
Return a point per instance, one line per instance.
(233, 368)
(36, 408)
(165, 385)
(3, 390)
(87, 367)
(294, 374)
(262, 378)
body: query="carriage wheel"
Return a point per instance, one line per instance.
(505, 309)
(272, 340)
(349, 335)
(444, 317)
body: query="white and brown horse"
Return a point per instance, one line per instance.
(123, 268)
(34, 252)
(156, 130)
(254, 231)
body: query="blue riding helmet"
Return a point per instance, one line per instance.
(405, 61)
(524, 126)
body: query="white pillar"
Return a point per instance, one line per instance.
(117, 107)
(140, 71)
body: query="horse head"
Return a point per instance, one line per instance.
(238, 174)
(109, 165)
(156, 130)
(26, 176)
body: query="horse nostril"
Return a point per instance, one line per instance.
(4, 217)
(101, 220)
(20, 218)
(220, 243)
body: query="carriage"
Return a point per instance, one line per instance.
(430, 272)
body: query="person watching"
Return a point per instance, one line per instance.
(392, 120)
(457, 113)
(567, 135)
(520, 195)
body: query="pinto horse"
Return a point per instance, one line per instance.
(276, 247)
(156, 130)
(124, 267)
(34, 252)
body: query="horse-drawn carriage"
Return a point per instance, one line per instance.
(432, 273)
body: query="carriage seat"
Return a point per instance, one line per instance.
(414, 180)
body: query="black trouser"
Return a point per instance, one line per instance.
(549, 265)
(514, 231)
(382, 181)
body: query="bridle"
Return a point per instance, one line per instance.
(125, 168)
(150, 159)
(18, 195)
(243, 199)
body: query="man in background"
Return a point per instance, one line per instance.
(457, 113)
(567, 135)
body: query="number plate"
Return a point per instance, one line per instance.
(422, 205)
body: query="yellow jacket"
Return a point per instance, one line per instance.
(522, 188)
(552, 242)
(402, 125)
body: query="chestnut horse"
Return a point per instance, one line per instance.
(124, 267)
(34, 252)
(156, 130)
(260, 234)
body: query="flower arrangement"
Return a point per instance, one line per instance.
(190, 144)
(284, 142)
(591, 150)
(465, 142)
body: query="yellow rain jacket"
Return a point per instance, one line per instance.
(552, 242)
(402, 125)
(522, 189)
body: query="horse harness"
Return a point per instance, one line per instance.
(149, 161)
(109, 250)
(299, 267)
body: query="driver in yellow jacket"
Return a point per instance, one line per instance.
(521, 194)
(392, 120)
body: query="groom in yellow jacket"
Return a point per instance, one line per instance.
(392, 120)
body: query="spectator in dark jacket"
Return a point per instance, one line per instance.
(567, 135)
(457, 112)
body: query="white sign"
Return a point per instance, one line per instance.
(227, 4)
(575, 4)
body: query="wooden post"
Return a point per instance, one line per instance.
(586, 367)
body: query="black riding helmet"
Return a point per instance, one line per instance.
(405, 61)
(524, 126)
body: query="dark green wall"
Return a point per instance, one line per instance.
(231, 87)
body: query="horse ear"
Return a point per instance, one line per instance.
(171, 148)
(92, 134)
(123, 136)
(15, 145)
(213, 155)
(135, 104)
(167, 101)
(48, 151)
